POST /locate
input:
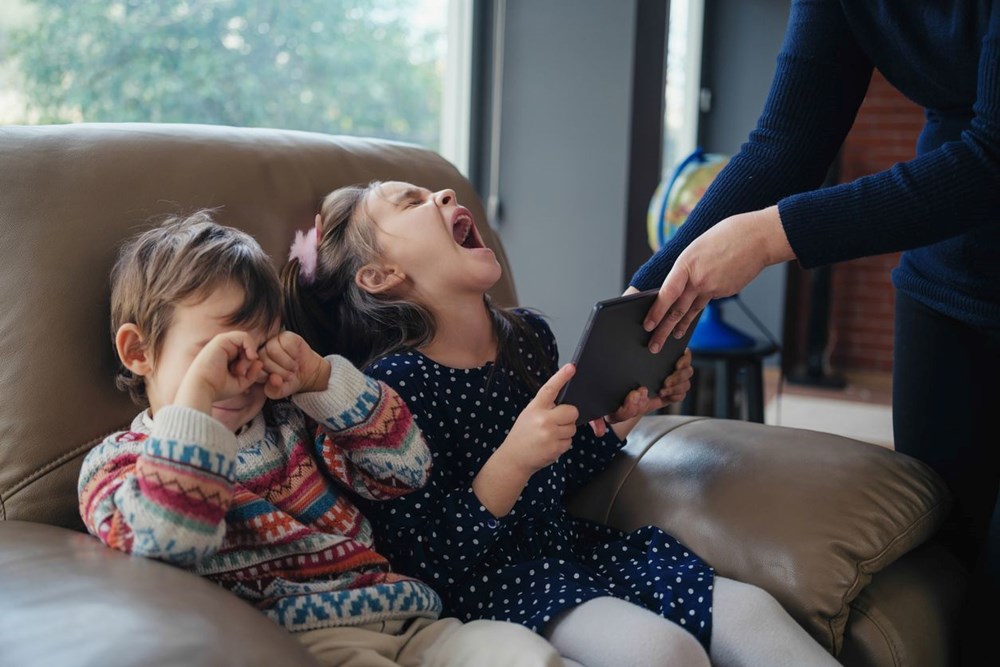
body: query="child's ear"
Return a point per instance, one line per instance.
(376, 279)
(132, 349)
(319, 229)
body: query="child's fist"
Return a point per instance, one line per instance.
(227, 366)
(292, 366)
(543, 431)
(678, 383)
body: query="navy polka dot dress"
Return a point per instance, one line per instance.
(538, 560)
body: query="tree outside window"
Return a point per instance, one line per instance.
(359, 67)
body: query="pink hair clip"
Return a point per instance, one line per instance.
(304, 250)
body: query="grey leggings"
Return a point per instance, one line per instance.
(749, 628)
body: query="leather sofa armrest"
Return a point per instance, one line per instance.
(807, 516)
(908, 614)
(66, 599)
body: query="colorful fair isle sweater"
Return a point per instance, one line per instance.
(267, 513)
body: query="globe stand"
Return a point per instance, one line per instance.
(713, 333)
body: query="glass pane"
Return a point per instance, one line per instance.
(360, 67)
(680, 130)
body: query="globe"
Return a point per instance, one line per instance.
(674, 199)
(672, 203)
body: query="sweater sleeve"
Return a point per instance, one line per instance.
(162, 495)
(820, 81)
(935, 196)
(367, 438)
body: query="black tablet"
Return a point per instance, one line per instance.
(612, 357)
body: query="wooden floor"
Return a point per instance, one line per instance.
(865, 387)
(861, 410)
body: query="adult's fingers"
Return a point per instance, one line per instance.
(677, 311)
(672, 288)
(547, 392)
(696, 307)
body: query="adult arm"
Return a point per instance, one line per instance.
(821, 78)
(897, 209)
(935, 196)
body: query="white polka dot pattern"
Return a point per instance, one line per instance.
(537, 560)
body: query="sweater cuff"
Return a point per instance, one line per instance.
(191, 437)
(348, 400)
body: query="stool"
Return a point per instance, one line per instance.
(733, 369)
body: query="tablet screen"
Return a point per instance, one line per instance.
(612, 357)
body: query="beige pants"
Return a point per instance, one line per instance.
(421, 642)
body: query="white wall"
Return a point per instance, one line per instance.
(564, 154)
(738, 70)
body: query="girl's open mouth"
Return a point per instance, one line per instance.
(463, 230)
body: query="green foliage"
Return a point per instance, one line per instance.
(336, 66)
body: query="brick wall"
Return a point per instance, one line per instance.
(884, 133)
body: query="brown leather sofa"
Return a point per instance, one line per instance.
(836, 529)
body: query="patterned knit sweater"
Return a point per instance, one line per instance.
(266, 513)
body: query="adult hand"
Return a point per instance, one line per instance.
(719, 263)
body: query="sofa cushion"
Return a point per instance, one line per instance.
(807, 516)
(66, 599)
(71, 194)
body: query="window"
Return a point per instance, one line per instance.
(683, 95)
(362, 67)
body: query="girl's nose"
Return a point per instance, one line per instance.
(444, 197)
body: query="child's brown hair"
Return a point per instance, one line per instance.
(334, 315)
(186, 258)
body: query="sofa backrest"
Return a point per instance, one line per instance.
(70, 194)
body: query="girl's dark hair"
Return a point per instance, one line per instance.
(335, 316)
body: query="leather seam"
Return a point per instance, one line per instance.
(864, 568)
(55, 463)
(638, 458)
(893, 649)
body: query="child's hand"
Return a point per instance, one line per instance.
(292, 366)
(638, 402)
(677, 384)
(227, 366)
(543, 431)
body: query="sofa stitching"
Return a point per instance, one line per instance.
(53, 464)
(635, 463)
(854, 589)
(893, 648)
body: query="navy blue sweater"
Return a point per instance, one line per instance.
(942, 207)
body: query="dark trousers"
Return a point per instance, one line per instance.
(946, 412)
